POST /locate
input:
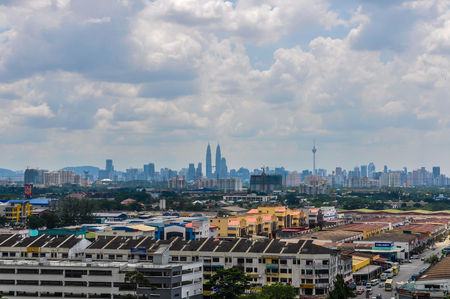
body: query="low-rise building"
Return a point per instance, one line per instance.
(250, 197)
(368, 230)
(16, 210)
(105, 279)
(309, 268)
(406, 241)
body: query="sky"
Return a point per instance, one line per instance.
(154, 81)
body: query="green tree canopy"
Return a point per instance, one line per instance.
(277, 290)
(431, 260)
(136, 279)
(341, 289)
(35, 222)
(230, 283)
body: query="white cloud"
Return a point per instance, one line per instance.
(42, 110)
(97, 20)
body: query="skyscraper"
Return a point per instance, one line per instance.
(370, 170)
(109, 165)
(224, 168)
(208, 162)
(436, 171)
(149, 169)
(385, 168)
(314, 150)
(108, 173)
(191, 173)
(363, 171)
(199, 173)
(218, 162)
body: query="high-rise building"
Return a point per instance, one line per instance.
(385, 168)
(191, 172)
(436, 171)
(314, 150)
(224, 168)
(338, 171)
(364, 171)
(31, 176)
(405, 170)
(208, 162)
(108, 173)
(199, 173)
(218, 163)
(149, 169)
(357, 172)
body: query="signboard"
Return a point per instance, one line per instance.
(28, 190)
(32, 249)
(385, 244)
(138, 251)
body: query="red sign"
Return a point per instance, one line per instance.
(28, 190)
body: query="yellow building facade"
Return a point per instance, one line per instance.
(264, 221)
(17, 211)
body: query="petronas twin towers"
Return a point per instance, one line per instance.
(221, 169)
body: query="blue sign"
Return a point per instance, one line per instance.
(387, 244)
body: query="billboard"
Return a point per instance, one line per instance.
(138, 251)
(28, 190)
(385, 244)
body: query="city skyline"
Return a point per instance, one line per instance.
(129, 80)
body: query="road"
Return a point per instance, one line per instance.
(406, 270)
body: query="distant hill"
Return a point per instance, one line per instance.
(80, 169)
(5, 173)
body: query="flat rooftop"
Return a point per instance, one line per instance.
(438, 271)
(418, 227)
(65, 264)
(360, 227)
(390, 220)
(391, 237)
(332, 235)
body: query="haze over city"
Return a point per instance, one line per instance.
(154, 81)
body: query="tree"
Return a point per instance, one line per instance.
(278, 290)
(74, 211)
(230, 283)
(35, 222)
(135, 279)
(341, 289)
(431, 260)
(51, 220)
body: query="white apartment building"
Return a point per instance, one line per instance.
(22, 279)
(391, 179)
(230, 184)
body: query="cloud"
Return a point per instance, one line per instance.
(97, 20)
(141, 80)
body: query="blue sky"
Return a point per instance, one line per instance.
(153, 81)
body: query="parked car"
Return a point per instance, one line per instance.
(422, 259)
(374, 282)
(415, 257)
(381, 285)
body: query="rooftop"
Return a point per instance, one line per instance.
(332, 235)
(393, 237)
(418, 227)
(438, 271)
(360, 227)
(384, 220)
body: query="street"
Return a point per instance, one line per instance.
(406, 270)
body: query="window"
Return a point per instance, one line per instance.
(249, 261)
(248, 270)
(290, 271)
(274, 261)
(309, 262)
(268, 279)
(325, 262)
(51, 283)
(100, 272)
(174, 258)
(240, 260)
(183, 258)
(255, 270)
(216, 259)
(51, 271)
(75, 273)
(274, 279)
(283, 262)
(283, 270)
